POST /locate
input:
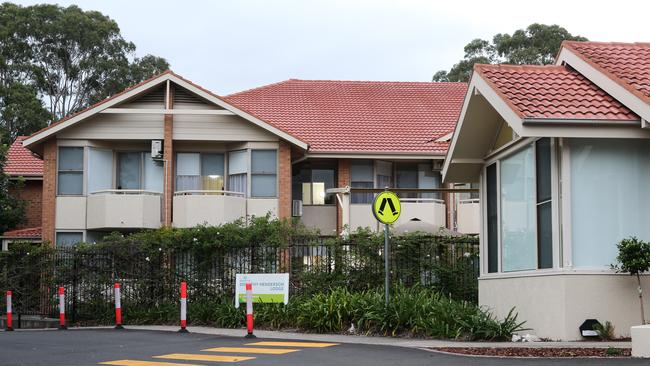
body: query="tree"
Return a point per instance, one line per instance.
(12, 209)
(21, 112)
(634, 258)
(69, 57)
(536, 45)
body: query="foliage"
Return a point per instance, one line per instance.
(606, 331)
(68, 57)
(538, 44)
(634, 257)
(12, 209)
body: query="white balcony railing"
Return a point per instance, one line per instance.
(428, 210)
(468, 216)
(210, 207)
(209, 193)
(123, 209)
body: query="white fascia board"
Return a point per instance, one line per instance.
(92, 111)
(478, 86)
(223, 104)
(603, 81)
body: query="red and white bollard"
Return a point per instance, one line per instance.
(183, 308)
(10, 324)
(62, 309)
(249, 310)
(118, 307)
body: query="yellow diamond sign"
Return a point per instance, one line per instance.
(386, 207)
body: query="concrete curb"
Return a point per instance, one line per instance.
(374, 340)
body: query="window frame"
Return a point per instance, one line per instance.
(56, 237)
(558, 226)
(84, 161)
(224, 154)
(251, 174)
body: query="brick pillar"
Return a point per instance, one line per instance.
(284, 180)
(49, 191)
(168, 156)
(343, 180)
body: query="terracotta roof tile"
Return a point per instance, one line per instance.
(22, 162)
(359, 116)
(553, 92)
(628, 64)
(32, 232)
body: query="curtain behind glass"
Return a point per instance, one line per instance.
(518, 207)
(609, 197)
(188, 172)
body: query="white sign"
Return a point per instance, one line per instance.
(273, 287)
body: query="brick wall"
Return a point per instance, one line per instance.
(32, 193)
(284, 180)
(49, 190)
(168, 155)
(342, 181)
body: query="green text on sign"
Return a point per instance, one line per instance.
(386, 207)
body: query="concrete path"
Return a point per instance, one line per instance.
(388, 341)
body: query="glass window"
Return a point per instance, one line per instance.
(406, 176)
(212, 172)
(188, 172)
(263, 173)
(428, 178)
(129, 170)
(518, 212)
(68, 239)
(71, 169)
(544, 205)
(100, 169)
(154, 174)
(361, 176)
(609, 197)
(492, 218)
(237, 169)
(310, 181)
(384, 174)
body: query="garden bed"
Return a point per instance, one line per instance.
(544, 352)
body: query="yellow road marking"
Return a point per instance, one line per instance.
(198, 357)
(267, 351)
(143, 363)
(293, 344)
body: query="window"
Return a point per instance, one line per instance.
(609, 197)
(384, 174)
(196, 171)
(71, 171)
(544, 207)
(361, 176)
(492, 218)
(428, 179)
(311, 180)
(68, 239)
(264, 173)
(100, 169)
(417, 176)
(518, 221)
(138, 171)
(237, 170)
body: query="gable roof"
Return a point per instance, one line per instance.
(553, 92)
(626, 63)
(336, 116)
(32, 233)
(22, 162)
(148, 85)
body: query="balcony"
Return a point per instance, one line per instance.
(426, 210)
(209, 207)
(123, 209)
(468, 216)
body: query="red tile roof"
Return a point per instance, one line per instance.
(628, 64)
(22, 162)
(359, 116)
(32, 232)
(552, 92)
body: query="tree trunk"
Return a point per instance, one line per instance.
(638, 280)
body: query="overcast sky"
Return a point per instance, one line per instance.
(227, 46)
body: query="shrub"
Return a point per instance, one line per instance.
(634, 258)
(606, 331)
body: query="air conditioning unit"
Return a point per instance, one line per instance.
(296, 208)
(156, 149)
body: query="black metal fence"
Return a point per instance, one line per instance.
(150, 278)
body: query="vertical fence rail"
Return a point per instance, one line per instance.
(150, 278)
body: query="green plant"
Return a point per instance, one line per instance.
(613, 351)
(606, 331)
(634, 258)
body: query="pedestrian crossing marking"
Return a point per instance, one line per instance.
(143, 363)
(293, 344)
(267, 351)
(199, 357)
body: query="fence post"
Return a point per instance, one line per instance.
(62, 309)
(249, 310)
(9, 325)
(118, 307)
(183, 308)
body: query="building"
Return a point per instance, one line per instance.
(562, 154)
(23, 166)
(167, 152)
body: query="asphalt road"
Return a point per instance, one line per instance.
(149, 348)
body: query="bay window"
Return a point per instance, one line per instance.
(70, 171)
(237, 171)
(519, 210)
(138, 171)
(199, 171)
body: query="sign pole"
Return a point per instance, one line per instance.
(386, 266)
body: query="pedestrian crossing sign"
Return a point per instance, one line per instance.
(386, 207)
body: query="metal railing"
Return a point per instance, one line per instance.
(211, 192)
(127, 192)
